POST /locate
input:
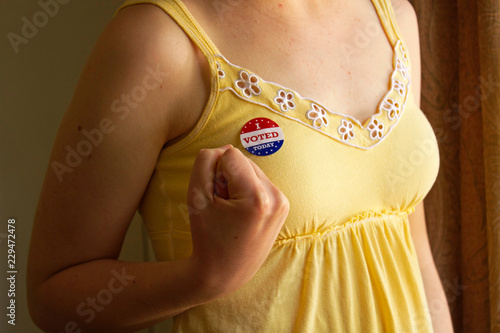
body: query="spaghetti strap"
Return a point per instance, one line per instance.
(180, 14)
(388, 20)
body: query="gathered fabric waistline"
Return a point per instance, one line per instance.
(352, 222)
(349, 224)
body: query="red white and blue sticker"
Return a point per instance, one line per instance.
(262, 137)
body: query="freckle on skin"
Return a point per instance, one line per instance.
(79, 128)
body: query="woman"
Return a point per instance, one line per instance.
(304, 198)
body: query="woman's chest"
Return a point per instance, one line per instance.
(344, 62)
(326, 180)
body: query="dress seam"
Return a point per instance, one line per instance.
(351, 223)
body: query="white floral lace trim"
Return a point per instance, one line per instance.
(220, 71)
(376, 129)
(399, 87)
(248, 84)
(405, 72)
(403, 52)
(392, 107)
(318, 116)
(285, 100)
(346, 130)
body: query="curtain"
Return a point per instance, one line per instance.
(460, 47)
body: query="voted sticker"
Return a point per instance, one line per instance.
(262, 137)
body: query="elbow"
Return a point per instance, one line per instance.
(37, 311)
(49, 314)
(34, 301)
(42, 301)
(45, 317)
(41, 308)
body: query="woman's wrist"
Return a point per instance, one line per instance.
(199, 286)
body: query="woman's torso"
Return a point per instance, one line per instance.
(344, 260)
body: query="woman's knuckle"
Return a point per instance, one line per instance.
(260, 200)
(282, 204)
(204, 153)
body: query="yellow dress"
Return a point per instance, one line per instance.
(344, 260)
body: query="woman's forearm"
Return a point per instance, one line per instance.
(115, 296)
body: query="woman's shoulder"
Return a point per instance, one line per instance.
(405, 14)
(143, 36)
(145, 30)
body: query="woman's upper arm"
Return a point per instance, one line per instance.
(108, 143)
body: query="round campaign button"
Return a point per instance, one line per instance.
(261, 137)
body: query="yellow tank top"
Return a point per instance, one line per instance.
(344, 260)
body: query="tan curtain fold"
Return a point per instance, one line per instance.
(489, 45)
(460, 43)
(474, 254)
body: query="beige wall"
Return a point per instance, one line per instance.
(36, 85)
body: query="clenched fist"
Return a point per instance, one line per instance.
(236, 213)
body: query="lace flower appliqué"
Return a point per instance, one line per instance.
(405, 72)
(318, 116)
(346, 130)
(248, 84)
(376, 129)
(220, 71)
(285, 100)
(399, 87)
(392, 107)
(403, 52)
